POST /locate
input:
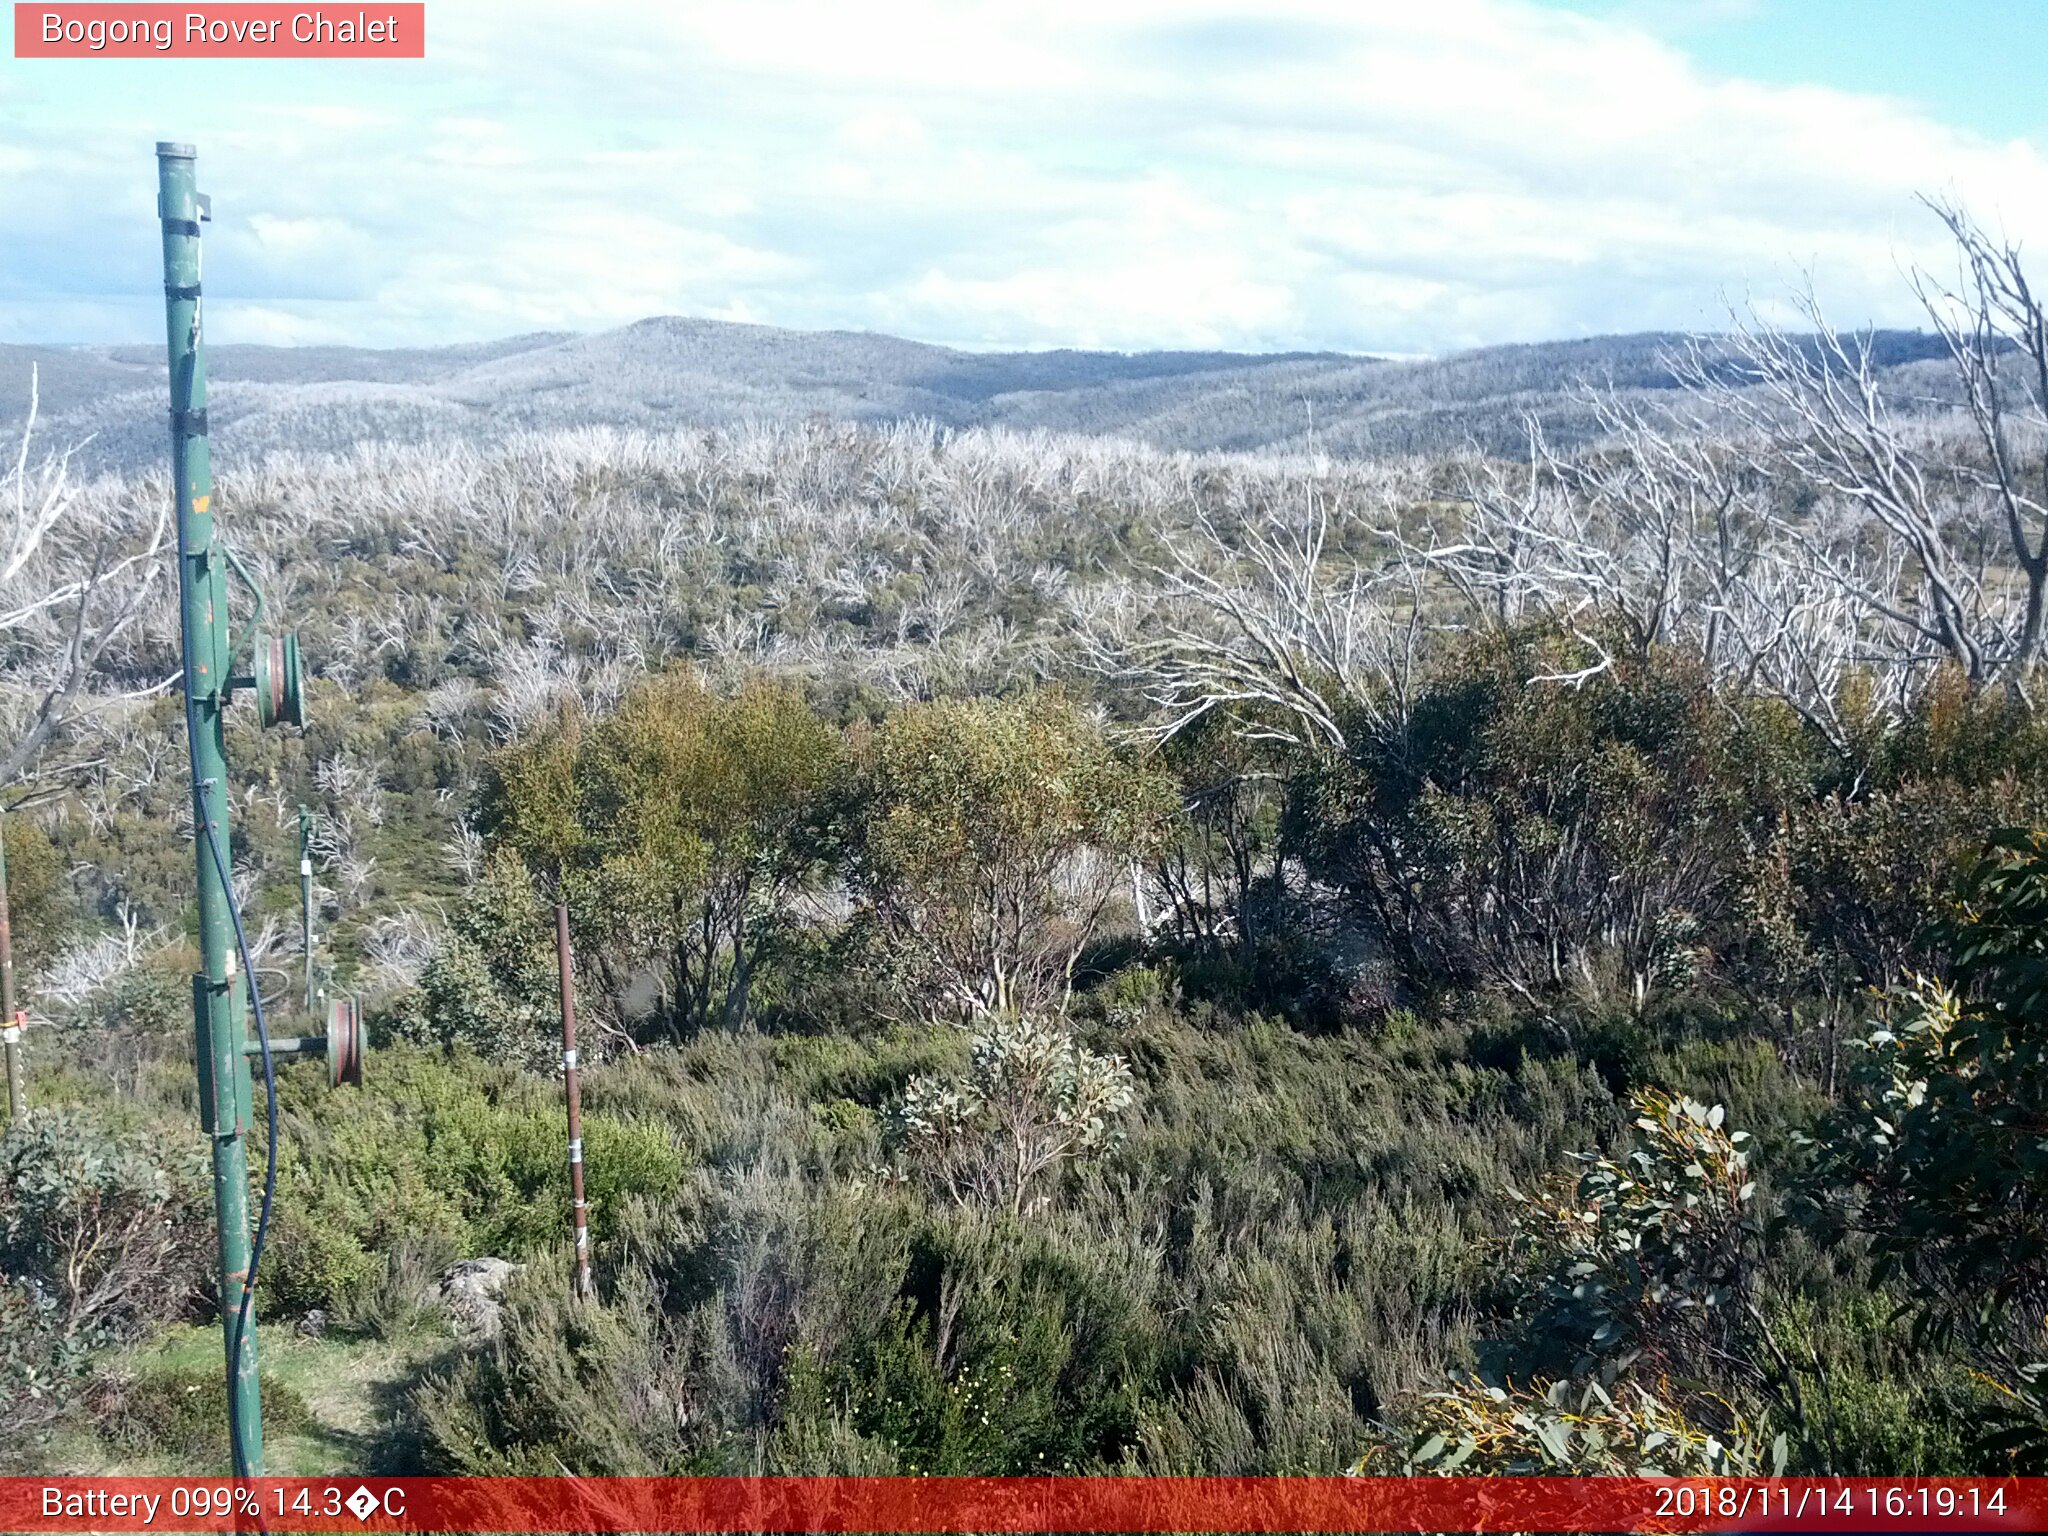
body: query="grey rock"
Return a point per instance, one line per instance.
(473, 1292)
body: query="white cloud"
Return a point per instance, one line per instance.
(1371, 174)
(884, 130)
(299, 239)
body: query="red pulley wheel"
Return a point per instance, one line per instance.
(345, 1042)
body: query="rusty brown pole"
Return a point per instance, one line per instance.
(11, 1021)
(565, 963)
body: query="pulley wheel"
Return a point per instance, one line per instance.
(344, 1043)
(280, 687)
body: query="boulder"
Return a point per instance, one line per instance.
(473, 1292)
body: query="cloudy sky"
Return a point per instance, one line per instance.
(1359, 175)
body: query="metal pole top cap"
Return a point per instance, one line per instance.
(169, 151)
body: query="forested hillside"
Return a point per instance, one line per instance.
(1093, 956)
(664, 372)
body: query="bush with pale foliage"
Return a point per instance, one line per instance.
(1473, 1428)
(1032, 1101)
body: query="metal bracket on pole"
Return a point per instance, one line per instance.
(227, 1100)
(343, 1045)
(255, 624)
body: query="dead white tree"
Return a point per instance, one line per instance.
(76, 569)
(1959, 528)
(1521, 544)
(1669, 531)
(1301, 645)
(1639, 542)
(1683, 522)
(1794, 631)
(1997, 336)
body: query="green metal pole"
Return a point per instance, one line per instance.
(306, 898)
(224, 1086)
(10, 1019)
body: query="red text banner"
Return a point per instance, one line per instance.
(1069, 1504)
(232, 31)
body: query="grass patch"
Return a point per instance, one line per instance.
(329, 1405)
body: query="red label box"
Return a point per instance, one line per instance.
(740, 1506)
(233, 31)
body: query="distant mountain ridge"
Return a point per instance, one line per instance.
(671, 372)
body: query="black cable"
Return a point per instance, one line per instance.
(270, 1149)
(240, 1333)
(220, 865)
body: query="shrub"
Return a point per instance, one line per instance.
(1936, 1158)
(768, 1321)
(146, 1001)
(41, 1365)
(571, 1387)
(1647, 1263)
(1634, 1315)
(683, 1368)
(1877, 1402)
(1584, 1428)
(442, 1155)
(493, 986)
(988, 839)
(93, 1216)
(41, 904)
(181, 1415)
(1010, 1350)
(99, 1240)
(1866, 875)
(1032, 1101)
(1293, 1330)
(134, 1028)
(402, 1297)
(1534, 833)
